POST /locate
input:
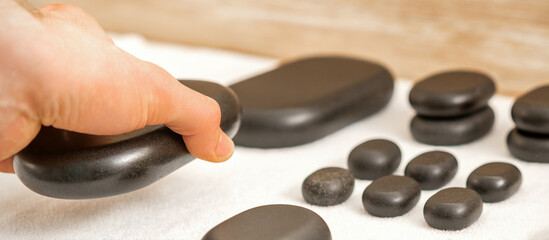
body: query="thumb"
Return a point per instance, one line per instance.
(17, 129)
(148, 96)
(193, 115)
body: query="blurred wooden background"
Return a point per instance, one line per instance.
(508, 39)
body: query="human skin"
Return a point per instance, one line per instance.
(59, 68)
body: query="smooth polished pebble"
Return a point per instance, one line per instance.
(328, 186)
(391, 196)
(531, 111)
(495, 181)
(272, 222)
(307, 99)
(374, 159)
(432, 170)
(452, 131)
(453, 209)
(451, 94)
(64, 164)
(528, 147)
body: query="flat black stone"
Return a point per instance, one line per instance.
(528, 147)
(495, 181)
(272, 222)
(453, 209)
(64, 164)
(452, 94)
(452, 131)
(328, 186)
(374, 159)
(432, 170)
(307, 99)
(531, 111)
(391, 196)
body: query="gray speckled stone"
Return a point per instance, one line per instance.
(374, 159)
(495, 181)
(451, 94)
(432, 170)
(453, 209)
(531, 111)
(391, 196)
(272, 222)
(452, 131)
(328, 186)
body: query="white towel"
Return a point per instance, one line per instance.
(200, 195)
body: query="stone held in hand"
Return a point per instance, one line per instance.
(65, 164)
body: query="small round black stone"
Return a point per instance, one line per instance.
(452, 131)
(432, 170)
(528, 147)
(531, 111)
(453, 208)
(495, 182)
(391, 196)
(374, 159)
(451, 94)
(328, 186)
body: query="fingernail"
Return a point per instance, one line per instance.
(225, 148)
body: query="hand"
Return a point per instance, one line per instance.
(58, 68)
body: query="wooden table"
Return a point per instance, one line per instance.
(508, 39)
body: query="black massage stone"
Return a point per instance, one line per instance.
(452, 131)
(531, 111)
(432, 170)
(495, 182)
(374, 159)
(272, 222)
(307, 99)
(528, 146)
(64, 164)
(453, 209)
(391, 196)
(328, 186)
(452, 94)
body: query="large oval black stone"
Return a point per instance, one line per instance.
(272, 222)
(451, 94)
(391, 196)
(64, 164)
(528, 146)
(453, 208)
(433, 169)
(307, 99)
(374, 159)
(452, 131)
(531, 111)
(496, 181)
(328, 186)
